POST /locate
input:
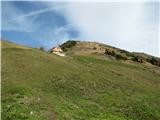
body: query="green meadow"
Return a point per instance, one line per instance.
(38, 85)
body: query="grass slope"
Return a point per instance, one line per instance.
(41, 86)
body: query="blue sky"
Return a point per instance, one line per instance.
(35, 24)
(133, 26)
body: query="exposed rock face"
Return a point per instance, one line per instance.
(57, 50)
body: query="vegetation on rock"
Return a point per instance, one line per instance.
(67, 45)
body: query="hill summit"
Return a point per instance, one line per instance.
(78, 47)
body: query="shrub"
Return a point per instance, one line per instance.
(110, 52)
(121, 57)
(67, 45)
(94, 48)
(138, 59)
(126, 52)
(41, 48)
(118, 56)
(154, 61)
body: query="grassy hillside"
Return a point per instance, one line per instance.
(37, 85)
(81, 48)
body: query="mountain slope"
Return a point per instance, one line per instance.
(78, 47)
(37, 85)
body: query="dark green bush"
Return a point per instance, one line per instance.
(41, 48)
(121, 57)
(154, 61)
(67, 45)
(138, 59)
(118, 56)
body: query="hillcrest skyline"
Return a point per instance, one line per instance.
(132, 26)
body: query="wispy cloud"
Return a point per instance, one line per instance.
(49, 7)
(129, 25)
(14, 19)
(11, 20)
(33, 13)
